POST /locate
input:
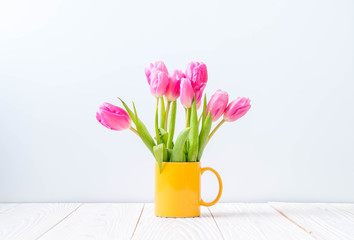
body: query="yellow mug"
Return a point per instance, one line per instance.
(177, 189)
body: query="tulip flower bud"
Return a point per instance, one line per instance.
(113, 117)
(198, 95)
(217, 104)
(237, 109)
(198, 75)
(174, 83)
(148, 72)
(159, 82)
(159, 65)
(187, 93)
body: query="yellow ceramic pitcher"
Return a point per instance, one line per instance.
(177, 189)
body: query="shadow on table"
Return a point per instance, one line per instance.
(227, 214)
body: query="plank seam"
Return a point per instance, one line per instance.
(216, 223)
(137, 223)
(291, 220)
(56, 224)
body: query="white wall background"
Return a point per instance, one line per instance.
(59, 60)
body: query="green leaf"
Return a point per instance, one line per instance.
(130, 113)
(171, 124)
(162, 113)
(141, 128)
(193, 135)
(143, 132)
(199, 120)
(185, 150)
(165, 153)
(163, 135)
(169, 153)
(177, 154)
(204, 133)
(159, 154)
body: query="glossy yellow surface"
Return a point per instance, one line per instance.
(177, 189)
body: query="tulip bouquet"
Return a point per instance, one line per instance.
(167, 88)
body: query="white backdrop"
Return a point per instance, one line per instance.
(59, 60)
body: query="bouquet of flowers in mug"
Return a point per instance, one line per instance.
(167, 87)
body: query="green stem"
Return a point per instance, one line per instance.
(134, 131)
(171, 124)
(193, 138)
(188, 117)
(167, 111)
(162, 114)
(215, 129)
(158, 140)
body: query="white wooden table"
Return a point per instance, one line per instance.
(137, 221)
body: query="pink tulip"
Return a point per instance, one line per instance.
(158, 82)
(159, 65)
(148, 72)
(217, 104)
(174, 83)
(113, 117)
(198, 75)
(237, 109)
(187, 93)
(198, 95)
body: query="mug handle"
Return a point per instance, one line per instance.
(220, 188)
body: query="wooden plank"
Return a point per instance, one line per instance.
(321, 220)
(254, 221)
(344, 209)
(98, 221)
(31, 220)
(6, 206)
(152, 227)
